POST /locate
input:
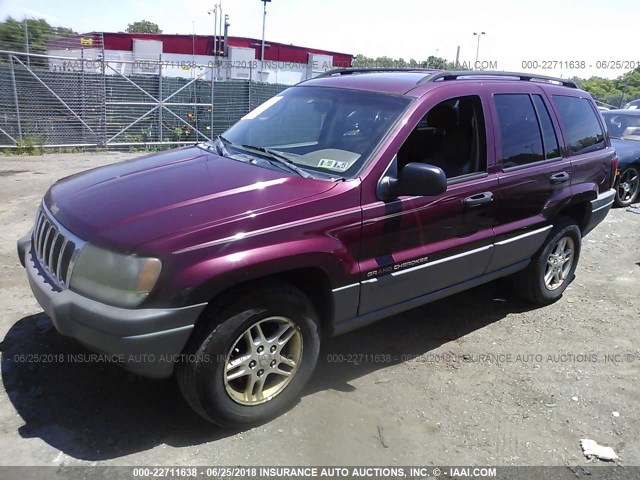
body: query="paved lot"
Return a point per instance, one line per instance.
(479, 378)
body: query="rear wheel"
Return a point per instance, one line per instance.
(249, 363)
(628, 186)
(552, 267)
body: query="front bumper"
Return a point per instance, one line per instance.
(144, 341)
(599, 209)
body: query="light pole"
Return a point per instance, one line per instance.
(220, 30)
(215, 26)
(264, 22)
(478, 34)
(26, 40)
(225, 50)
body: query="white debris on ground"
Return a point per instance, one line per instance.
(591, 449)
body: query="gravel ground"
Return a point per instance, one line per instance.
(479, 378)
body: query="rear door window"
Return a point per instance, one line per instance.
(580, 121)
(520, 131)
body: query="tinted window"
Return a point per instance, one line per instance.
(622, 125)
(519, 130)
(633, 105)
(581, 123)
(549, 139)
(450, 136)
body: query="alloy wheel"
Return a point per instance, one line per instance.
(559, 263)
(628, 185)
(263, 360)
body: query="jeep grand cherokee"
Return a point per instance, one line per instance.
(342, 200)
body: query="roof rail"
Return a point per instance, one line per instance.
(356, 70)
(432, 75)
(455, 75)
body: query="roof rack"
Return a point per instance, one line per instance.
(356, 70)
(456, 75)
(433, 75)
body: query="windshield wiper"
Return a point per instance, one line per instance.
(280, 159)
(218, 145)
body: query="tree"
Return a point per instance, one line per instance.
(438, 63)
(12, 34)
(143, 26)
(603, 90)
(362, 61)
(629, 84)
(614, 92)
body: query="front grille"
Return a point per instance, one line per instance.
(55, 248)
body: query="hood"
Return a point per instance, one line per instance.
(628, 151)
(127, 204)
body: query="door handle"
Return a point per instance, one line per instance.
(558, 178)
(478, 199)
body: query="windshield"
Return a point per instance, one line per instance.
(621, 125)
(327, 130)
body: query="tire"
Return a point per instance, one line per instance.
(627, 187)
(548, 275)
(221, 364)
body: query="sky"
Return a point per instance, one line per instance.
(545, 34)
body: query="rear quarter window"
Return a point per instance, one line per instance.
(580, 121)
(549, 138)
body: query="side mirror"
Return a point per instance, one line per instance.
(415, 179)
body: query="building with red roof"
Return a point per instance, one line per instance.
(193, 55)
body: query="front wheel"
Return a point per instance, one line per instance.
(628, 187)
(250, 362)
(553, 266)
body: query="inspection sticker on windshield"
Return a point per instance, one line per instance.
(333, 165)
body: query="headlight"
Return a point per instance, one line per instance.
(120, 280)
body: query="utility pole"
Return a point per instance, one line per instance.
(478, 34)
(225, 50)
(26, 40)
(215, 27)
(220, 30)
(264, 22)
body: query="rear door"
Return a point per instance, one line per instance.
(586, 144)
(534, 177)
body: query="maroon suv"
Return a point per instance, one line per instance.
(343, 200)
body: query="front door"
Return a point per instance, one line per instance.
(413, 246)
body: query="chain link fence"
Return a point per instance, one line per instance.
(84, 101)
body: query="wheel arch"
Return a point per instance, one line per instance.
(625, 165)
(312, 280)
(579, 211)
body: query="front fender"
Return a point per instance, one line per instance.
(213, 276)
